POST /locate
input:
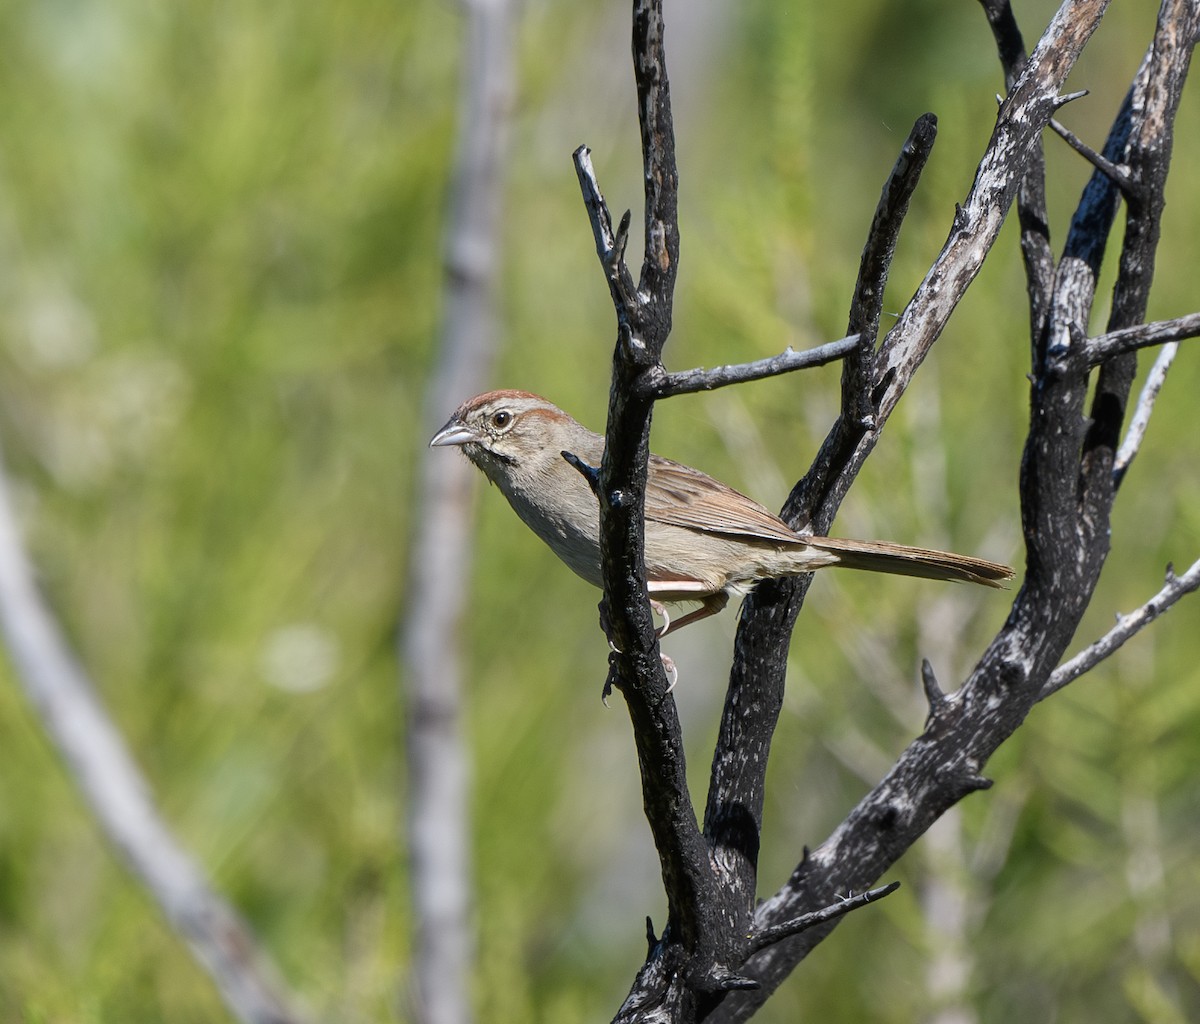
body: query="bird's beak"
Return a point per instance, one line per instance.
(454, 432)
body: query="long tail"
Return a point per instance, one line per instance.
(882, 556)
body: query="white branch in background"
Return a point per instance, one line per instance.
(1126, 627)
(118, 796)
(1140, 420)
(438, 805)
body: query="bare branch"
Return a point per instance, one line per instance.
(785, 930)
(1129, 339)
(668, 385)
(1127, 627)
(610, 244)
(691, 973)
(875, 264)
(118, 795)
(1115, 173)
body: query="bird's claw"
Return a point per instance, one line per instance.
(669, 668)
(660, 610)
(668, 664)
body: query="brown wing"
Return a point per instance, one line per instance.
(681, 496)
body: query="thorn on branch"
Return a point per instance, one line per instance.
(590, 473)
(935, 696)
(1070, 97)
(798, 872)
(975, 783)
(622, 238)
(651, 938)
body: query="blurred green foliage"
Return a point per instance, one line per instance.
(220, 238)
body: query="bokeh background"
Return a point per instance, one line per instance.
(220, 239)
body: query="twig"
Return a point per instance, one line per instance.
(117, 794)
(1140, 420)
(685, 382)
(610, 244)
(1070, 97)
(777, 933)
(1129, 339)
(1115, 172)
(1127, 626)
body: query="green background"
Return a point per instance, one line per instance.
(220, 238)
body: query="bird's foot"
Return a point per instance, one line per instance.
(660, 610)
(672, 672)
(668, 664)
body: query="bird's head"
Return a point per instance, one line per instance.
(513, 433)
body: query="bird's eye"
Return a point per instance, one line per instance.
(501, 419)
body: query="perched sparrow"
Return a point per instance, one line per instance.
(704, 540)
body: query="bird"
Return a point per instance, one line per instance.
(704, 541)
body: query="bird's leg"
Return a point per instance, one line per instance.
(660, 610)
(709, 605)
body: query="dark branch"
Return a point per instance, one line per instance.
(944, 765)
(1127, 627)
(685, 382)
(610, 245)
(1115, 173)
(866, 306)
(711, 946)
(635, 667)
(733, 813)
